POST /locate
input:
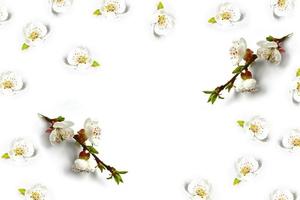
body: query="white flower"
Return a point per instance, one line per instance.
(81, 165)
(282, 7)
(199, 189)
(92, 131)
(10, 82)
(37, 192)
(248, 85)
(238, 51)
(228, 14)
(61, 131)
(247, 167)
(35, 33)
(291, 141)
(22, 150)
(296, 90)
(258, 128)
(60, 6)
(4, 15)
(80, 57)
(163, 23)
(269, 51)
(282, 195)
(113, 8)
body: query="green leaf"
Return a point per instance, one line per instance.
(25, 46)
(298, 72)
(95, 64)
(238, 69)
(160, 6)
(92, 150)
(270, 38)
(212, 20)
(22, 191)
(241, 123)
(5, 156)
(97, 12)
(123, 172)
(208, 92)
(236, 181)
(101, 167)
(60, 118)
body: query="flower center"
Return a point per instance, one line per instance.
(111, 7)
(59, 1)
(282, 197)
(35, 196)
(245, 170)
(226, 16)
(82, 59)
(298, 86)
(296, 142)
(254, 128)
(201, 192)
(34, 35)
(8, 84)
(162, 20)
(19, 151)
(281, 3)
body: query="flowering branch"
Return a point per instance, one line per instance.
(59, 131)
(270, 50)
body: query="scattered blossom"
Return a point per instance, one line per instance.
(258, 128)
(291, 141)
(163, 22)
(282, 195)
(10, 83)
(199, 190)
(60, 6)
(112, 8)
(227, 14)
(282, 7)
(80, 57)
(247, 167)
(34, 33)
(21, 150)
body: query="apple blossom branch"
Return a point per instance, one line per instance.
(243, 70)
(87, 150)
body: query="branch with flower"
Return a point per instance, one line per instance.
(88, 138)
(243, 59)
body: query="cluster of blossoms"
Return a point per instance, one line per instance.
(258, 129)
(88, 138)
(247, 167)
(243, 59)
(36, 192)
(229, 13)
(10, 83)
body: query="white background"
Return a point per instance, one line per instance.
(147, 96)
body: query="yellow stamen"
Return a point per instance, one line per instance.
(162, 20)
(82, 59)
(201, 192)
(245, 170)
(298, 86)
(226, 15)
(296, 142)
(254, 128)
(111, 8)
(34, 35)
(8, 84)
(281, 3)
(19, 151)
(35, 196)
